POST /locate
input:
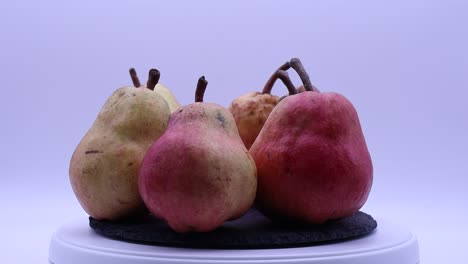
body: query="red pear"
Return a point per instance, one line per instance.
(312, 160)
(199, 173)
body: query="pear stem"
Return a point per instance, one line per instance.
(296, 64)
(153, 78)
(284, 77)
(269, 84)
(201, 87)
(134, 76)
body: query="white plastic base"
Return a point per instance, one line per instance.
(77, 243)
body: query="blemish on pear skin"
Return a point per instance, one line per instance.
(93, 151)
(120, 201)
(221, 119)
(130, 164)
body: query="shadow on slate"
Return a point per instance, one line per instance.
(252, 231)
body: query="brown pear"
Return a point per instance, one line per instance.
(251, 110)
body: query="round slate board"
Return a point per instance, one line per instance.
(252, 231)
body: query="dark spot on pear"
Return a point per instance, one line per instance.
(93, 152)
(221, 119)
(203, 113)
(120, 201)
(130, 164)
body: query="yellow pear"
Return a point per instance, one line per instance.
(168, 96)
(159, 88)
(105, 165)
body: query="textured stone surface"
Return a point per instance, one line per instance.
(251, 231)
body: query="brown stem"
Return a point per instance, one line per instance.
(269, 84)
(201, 87)
(134, 76)
(296, 64)
(284, 77)
(153, 79)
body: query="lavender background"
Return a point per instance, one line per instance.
(404, 65)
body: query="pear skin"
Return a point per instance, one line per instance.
(168, 96)
(105, 165)
(198, 174)
(250, 112)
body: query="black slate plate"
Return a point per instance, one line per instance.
(252, 231)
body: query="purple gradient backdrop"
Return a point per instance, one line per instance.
(403, 64)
